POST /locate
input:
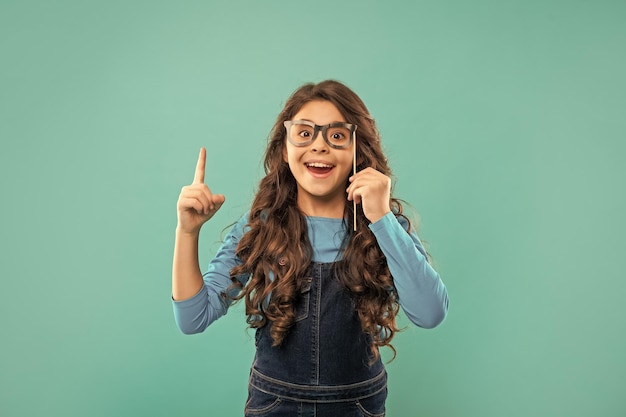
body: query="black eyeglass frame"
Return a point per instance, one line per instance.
(317, 128)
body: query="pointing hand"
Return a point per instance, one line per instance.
(196, 203)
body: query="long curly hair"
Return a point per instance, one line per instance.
(276, 252)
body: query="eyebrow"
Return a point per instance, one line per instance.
(336, 121)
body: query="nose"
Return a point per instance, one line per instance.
(319, 144)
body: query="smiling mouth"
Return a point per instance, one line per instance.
(319, 167)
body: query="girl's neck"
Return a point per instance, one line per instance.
(328, 209)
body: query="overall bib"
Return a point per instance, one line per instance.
(322, 368)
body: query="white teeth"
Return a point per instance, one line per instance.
(318, 165)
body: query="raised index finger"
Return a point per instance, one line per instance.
(200, 166)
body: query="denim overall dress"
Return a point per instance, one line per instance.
(322, 368)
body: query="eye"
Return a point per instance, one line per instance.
(304, 133)
(339, 134)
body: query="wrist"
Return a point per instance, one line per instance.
(377, 216)
(184, 233)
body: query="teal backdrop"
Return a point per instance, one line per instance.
(504, 122)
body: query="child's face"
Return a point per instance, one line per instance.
(320, 171)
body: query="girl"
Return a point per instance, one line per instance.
(322, 284)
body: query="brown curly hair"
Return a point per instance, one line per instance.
(277, 239)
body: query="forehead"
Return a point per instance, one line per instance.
(320, 112)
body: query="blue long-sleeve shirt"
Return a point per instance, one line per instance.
(421, 293)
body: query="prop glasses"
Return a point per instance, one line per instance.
(336, 135)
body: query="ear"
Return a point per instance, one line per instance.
(285, 154)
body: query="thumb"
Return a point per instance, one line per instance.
(218, 200)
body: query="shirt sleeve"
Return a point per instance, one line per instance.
(195, 314)
(421, 292)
